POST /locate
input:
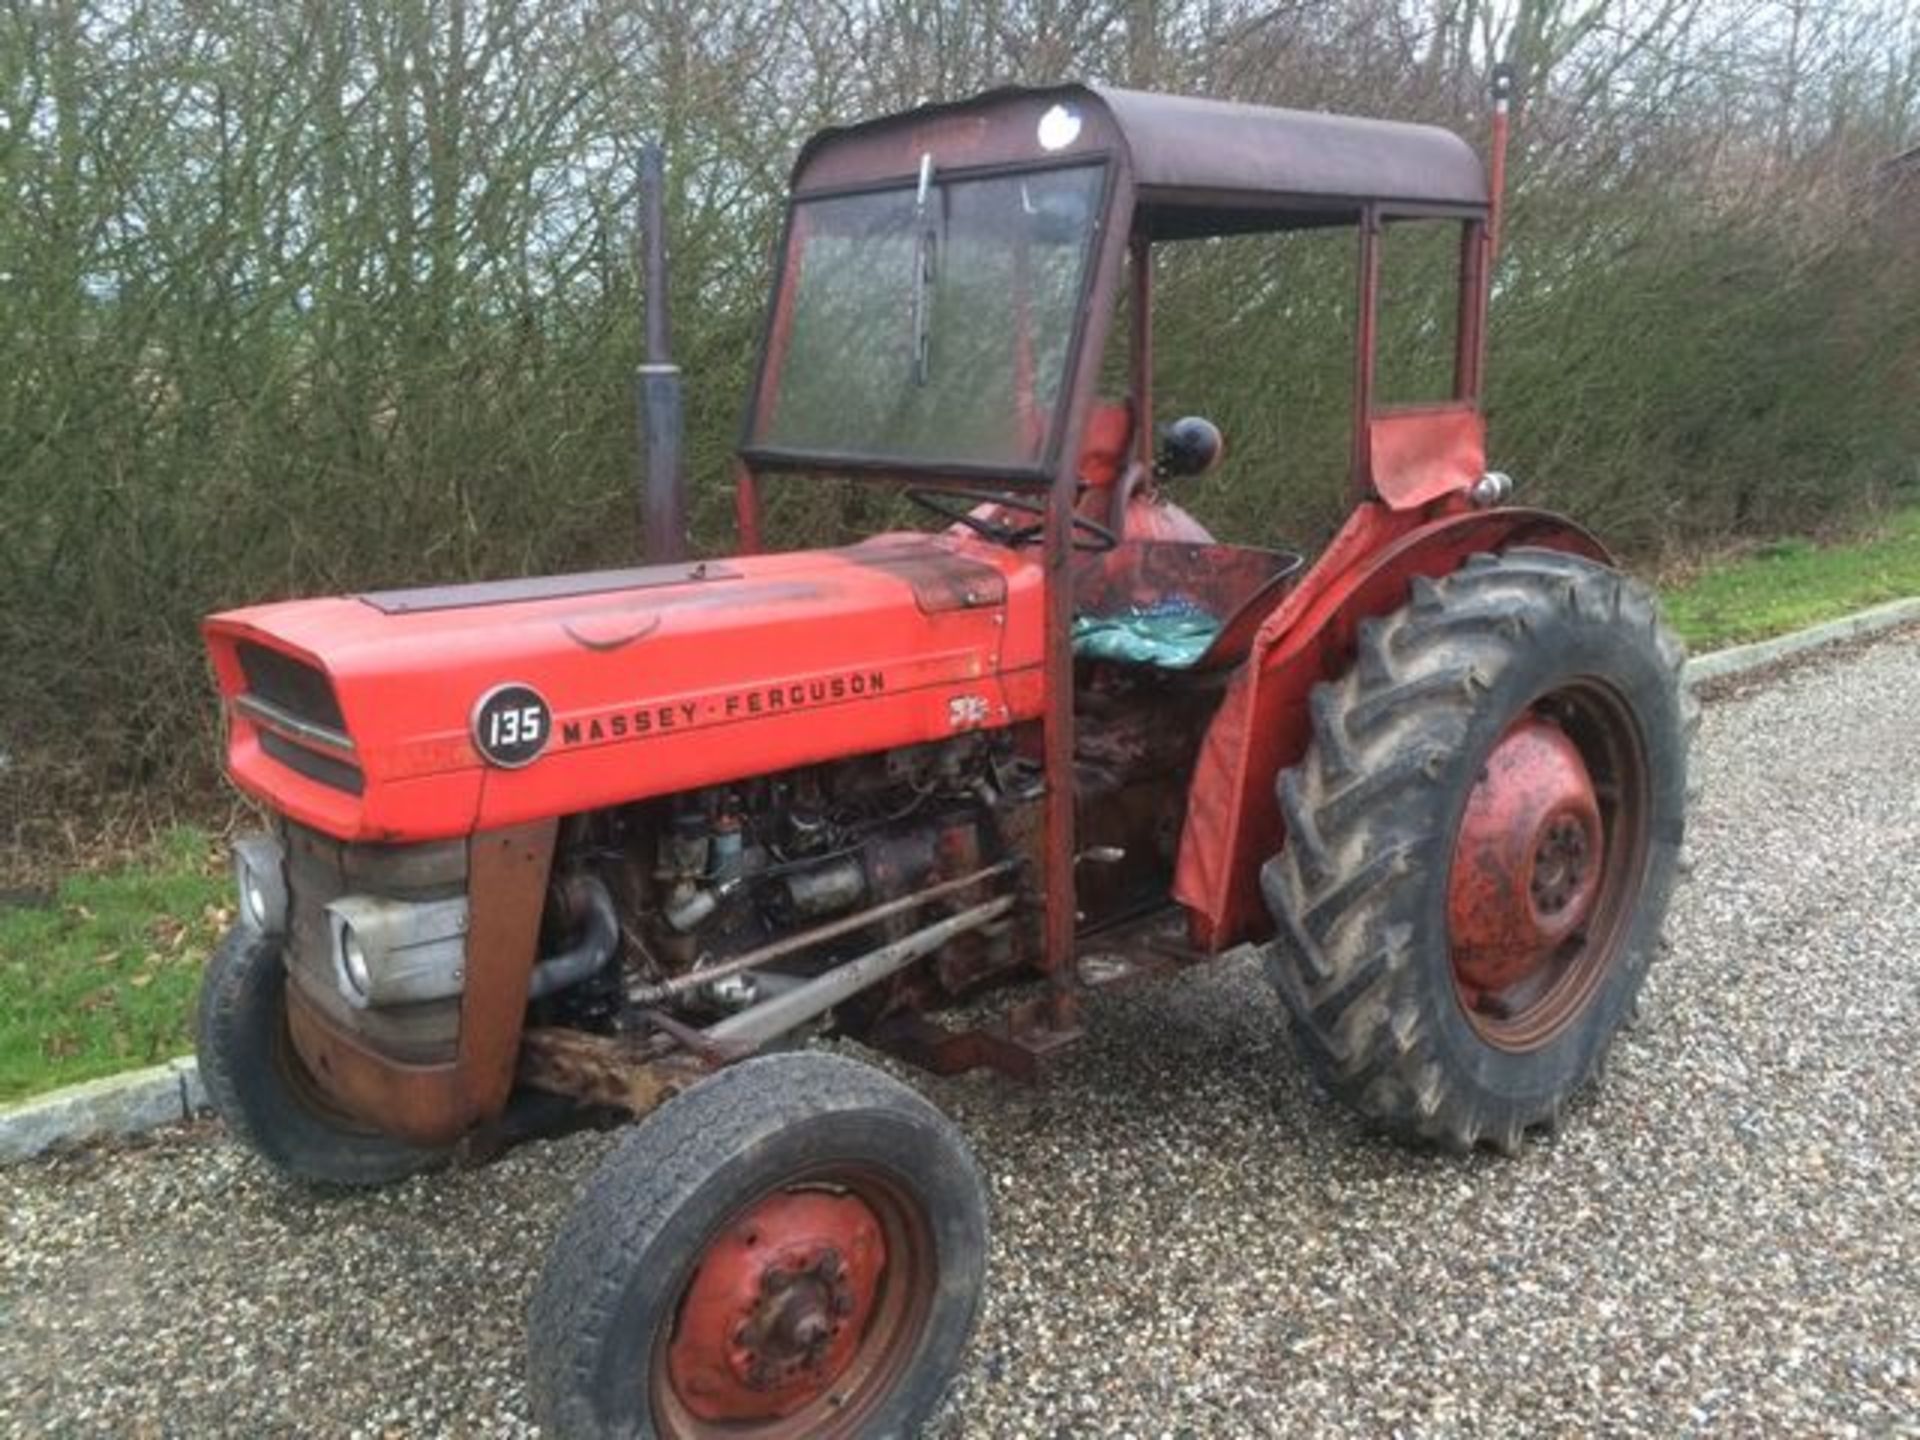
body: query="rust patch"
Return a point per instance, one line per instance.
(420, 1103)
(433, 1104)
(507, 887)
(941, 579)
(626, 1074)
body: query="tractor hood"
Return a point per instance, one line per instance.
(421, 714)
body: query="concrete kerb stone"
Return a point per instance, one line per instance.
(1742, 659)
(117, 1105)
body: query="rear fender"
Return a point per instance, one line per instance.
(1233, 821)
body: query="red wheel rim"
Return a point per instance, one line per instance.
(1547, 866)
(801, 1313)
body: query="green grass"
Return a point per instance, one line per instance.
(1794, 583)
(102, 977)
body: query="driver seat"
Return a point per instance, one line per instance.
(1168, 595)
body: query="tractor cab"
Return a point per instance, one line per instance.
(965, 308)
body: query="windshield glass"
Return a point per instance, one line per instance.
(931, 328)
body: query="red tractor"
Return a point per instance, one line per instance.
(615, 843)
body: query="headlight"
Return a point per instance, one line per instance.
(260, 880)
(353, 965)
(255, 899)
(398, 952)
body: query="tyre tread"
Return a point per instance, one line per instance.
(1360, 795)
(241, 1003)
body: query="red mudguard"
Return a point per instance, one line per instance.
(1233, 821)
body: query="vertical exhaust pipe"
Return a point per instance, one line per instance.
(657, 399)
(1501, 90)
(1481, 248)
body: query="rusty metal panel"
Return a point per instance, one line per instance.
(941, 579)
(1232, 162)
(1182, 142)
(1001, 127)
(419, 1103)
(432, 1101)
(507, 883)
(1416, 456)
(321, 870)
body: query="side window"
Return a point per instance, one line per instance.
(1418, 312)
(1255, 332)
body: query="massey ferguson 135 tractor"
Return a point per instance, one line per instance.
(607, 843)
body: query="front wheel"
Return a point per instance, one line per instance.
(1481, 841)
(259, 1086)
(795, 1247)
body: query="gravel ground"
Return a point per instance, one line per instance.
(1189, 1241)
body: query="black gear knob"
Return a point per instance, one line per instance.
(1191, 445)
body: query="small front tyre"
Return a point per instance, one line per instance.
(795, 1247)
(259, 1086)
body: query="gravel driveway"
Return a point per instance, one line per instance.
(1189, 1241)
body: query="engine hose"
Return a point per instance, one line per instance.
(586, 957)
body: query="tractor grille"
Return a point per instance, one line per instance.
(299, 717)
(340, 774)
(321, 869)
(292, 686)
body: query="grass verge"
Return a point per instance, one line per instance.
(102, 977)
(1791, 584)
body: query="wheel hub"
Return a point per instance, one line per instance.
(1528, 862)
(778, 1306)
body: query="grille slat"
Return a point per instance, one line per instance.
(293, 685)
(339, 774)
(298, 716)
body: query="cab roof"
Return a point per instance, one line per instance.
(1198, 166)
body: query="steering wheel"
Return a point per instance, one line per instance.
(1089, 536)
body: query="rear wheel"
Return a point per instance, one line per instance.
(259, 1086)
(795, 1247)
(1481, 843)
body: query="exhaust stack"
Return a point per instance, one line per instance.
(658, 404)
(1501, 88)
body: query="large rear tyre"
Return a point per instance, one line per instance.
(259, 1086)
(1481, 842)
(795, 1247)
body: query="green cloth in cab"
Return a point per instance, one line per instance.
(1171, 635)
